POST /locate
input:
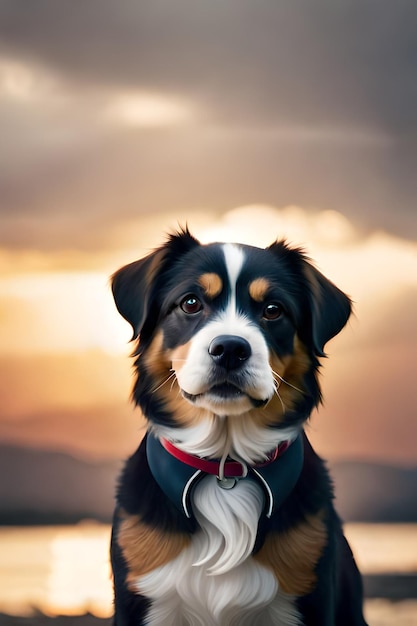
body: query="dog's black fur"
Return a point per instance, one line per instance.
(152, 295)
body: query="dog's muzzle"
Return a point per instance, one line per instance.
(227, 379)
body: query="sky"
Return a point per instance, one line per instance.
(249, 120)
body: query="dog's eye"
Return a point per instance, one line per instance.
(191, 304)
(272, 311)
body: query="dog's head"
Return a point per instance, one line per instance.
(227, 330)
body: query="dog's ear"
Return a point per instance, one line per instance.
(134, 284)
(131, 286)
(330, 308)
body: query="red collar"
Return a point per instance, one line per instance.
(232, 469)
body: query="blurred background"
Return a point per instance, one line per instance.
(249, 121)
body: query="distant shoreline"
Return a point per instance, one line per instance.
(394, 587)
(367, 492)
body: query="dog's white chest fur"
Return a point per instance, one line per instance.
(215, 581)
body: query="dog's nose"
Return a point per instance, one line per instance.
(229, 351)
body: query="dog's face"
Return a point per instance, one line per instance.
(228, 329)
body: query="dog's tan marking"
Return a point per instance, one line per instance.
(156, 359)
(184, 413)
(258, 289)
(293, 555)
(179, 355)
(211, 284)
(145, 548)
(291, 368)
(161, 363)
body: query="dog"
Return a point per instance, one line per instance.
(224, 514)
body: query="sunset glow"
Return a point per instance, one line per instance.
(59, 312)
(51, 314)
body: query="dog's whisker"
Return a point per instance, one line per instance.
(284, 408)
(276, 392)
(277, 381)
(171, 376)
(282, 380)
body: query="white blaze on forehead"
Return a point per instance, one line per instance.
(234, 258)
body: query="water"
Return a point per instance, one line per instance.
(64, 570)
(60, 570)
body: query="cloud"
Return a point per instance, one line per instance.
(269, 61)
(63, 196)
(59, 313)
(180, 106)
(263, 223)
(144, 110)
